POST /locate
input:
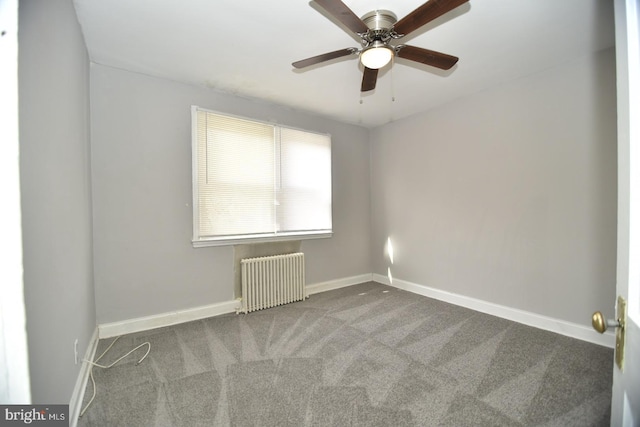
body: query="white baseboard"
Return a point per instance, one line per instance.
(573, 330)
(146, 323)
(338, 283)
(581, 332)
(75, 405)
(114, 329)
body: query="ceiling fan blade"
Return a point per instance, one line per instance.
(369, 79)
(426, 56)
(342, 13)
(324, 57)
(424, 14)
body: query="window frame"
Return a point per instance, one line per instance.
(207, 241)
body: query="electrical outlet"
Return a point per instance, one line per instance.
(75, 351)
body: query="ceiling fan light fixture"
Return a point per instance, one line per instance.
(377, 30)
(376, 56)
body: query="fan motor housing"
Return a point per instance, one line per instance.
(379, 19)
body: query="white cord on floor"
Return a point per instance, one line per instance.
(95, 363)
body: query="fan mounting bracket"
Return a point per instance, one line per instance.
(380, 24)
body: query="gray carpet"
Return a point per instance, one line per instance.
(366, 355)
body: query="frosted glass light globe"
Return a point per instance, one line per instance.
(376, 56)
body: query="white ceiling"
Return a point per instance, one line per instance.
(246, 47)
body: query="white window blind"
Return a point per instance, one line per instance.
(257, 181)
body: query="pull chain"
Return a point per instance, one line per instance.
(393, 90)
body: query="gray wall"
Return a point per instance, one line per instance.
(509, 195)
(141, 173)
(56, 194)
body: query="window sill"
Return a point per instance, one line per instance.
(236, 240)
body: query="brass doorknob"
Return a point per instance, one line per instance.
(601, 324)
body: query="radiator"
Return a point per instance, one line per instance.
(271, 281)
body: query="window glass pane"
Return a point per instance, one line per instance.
(236, 176)
(305, 181)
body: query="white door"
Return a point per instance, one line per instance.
(14, 369)
(625, 402)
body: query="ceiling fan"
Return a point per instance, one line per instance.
(377, 29)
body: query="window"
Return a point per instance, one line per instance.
(255, 181)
